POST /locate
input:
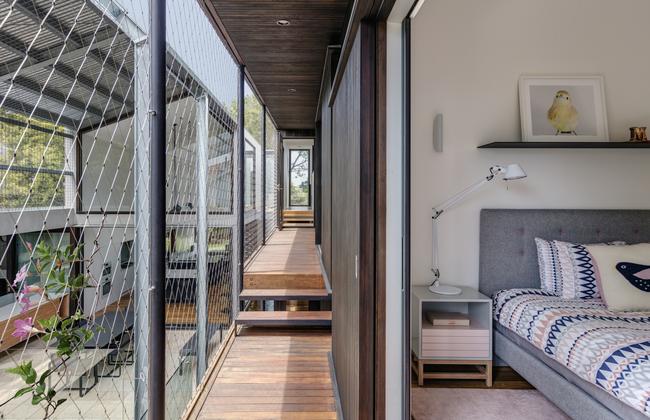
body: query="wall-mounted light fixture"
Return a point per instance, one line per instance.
(437, 133)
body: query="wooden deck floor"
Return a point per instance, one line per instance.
(289, 252)
(273, 374)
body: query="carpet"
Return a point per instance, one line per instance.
(484, 404)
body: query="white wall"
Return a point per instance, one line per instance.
(109, 242)
(394, 228)
(108, 152)
(467, 57)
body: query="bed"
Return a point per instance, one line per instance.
(508, 260)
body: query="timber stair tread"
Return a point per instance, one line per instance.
(284, 294)
(297, 225)
(298, 213)
(285, 318)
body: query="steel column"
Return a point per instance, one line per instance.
(263, 174)
(202, 235)
(158, 124)
(240, 176)
(142, 257)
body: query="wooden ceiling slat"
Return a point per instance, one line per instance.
(279, 58)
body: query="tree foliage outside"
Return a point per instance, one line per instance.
(252, 115)
(299, 172)
(33, 149)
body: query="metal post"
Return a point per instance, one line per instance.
(157, 192)
(142, 255)
(280, 180)
(240, 175)
(202, 236)
(263, 174)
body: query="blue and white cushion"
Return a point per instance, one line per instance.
(567, 270)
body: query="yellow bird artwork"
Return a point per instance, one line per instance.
(562, 115)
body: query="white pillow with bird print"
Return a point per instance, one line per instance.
(623, 273)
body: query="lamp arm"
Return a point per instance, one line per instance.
(439, 210)
(449, 203)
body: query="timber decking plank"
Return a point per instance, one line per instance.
(269, 407)
(285, 318)
(271, 415)
(279, 399)
(289, 260)
(284, 294)
(297, 225)
(276, 280)
(279, 383)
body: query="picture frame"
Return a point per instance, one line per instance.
(563, 108)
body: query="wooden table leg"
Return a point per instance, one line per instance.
(420, 373)
(488, 374)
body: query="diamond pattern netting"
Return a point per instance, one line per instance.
(74, 170)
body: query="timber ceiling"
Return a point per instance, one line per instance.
(282, 58)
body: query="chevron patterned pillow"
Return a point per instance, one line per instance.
(567, 269)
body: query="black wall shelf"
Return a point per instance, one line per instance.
(564, 145)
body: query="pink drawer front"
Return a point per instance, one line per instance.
(460, 339)
(429, 331)
(454, 346)
(456, 353)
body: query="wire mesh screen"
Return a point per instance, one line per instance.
(75, 201)
(32, 168)
(253, 153)
(271, 181)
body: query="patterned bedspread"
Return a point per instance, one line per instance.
(609, 349)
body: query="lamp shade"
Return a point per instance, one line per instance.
(514, 171)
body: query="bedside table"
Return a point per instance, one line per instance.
(469, 346)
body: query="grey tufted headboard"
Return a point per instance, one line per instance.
(508, 255)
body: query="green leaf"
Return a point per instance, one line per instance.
(44, 375)
(39, 389)
(23, 391)
(36, 399)
(78, 282)
(50, 323)
(66, 323)
(25, 371)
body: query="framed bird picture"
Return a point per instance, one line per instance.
(563, 108)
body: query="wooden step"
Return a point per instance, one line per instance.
(284, 294)
(298, 219)
(289, 213)
(297, 225)
(285, 318)
(274, 280)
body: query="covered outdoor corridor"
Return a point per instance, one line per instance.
(275, 363)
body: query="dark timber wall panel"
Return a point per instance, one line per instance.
(346, 129)
(326, 170)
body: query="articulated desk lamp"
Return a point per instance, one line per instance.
(508, 173)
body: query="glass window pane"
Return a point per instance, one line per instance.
(249, 176)
(33, 156)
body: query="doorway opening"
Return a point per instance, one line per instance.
(300, 178)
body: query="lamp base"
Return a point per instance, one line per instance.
(442, 289)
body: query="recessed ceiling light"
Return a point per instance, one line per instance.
(283, 22)
(291, 90)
